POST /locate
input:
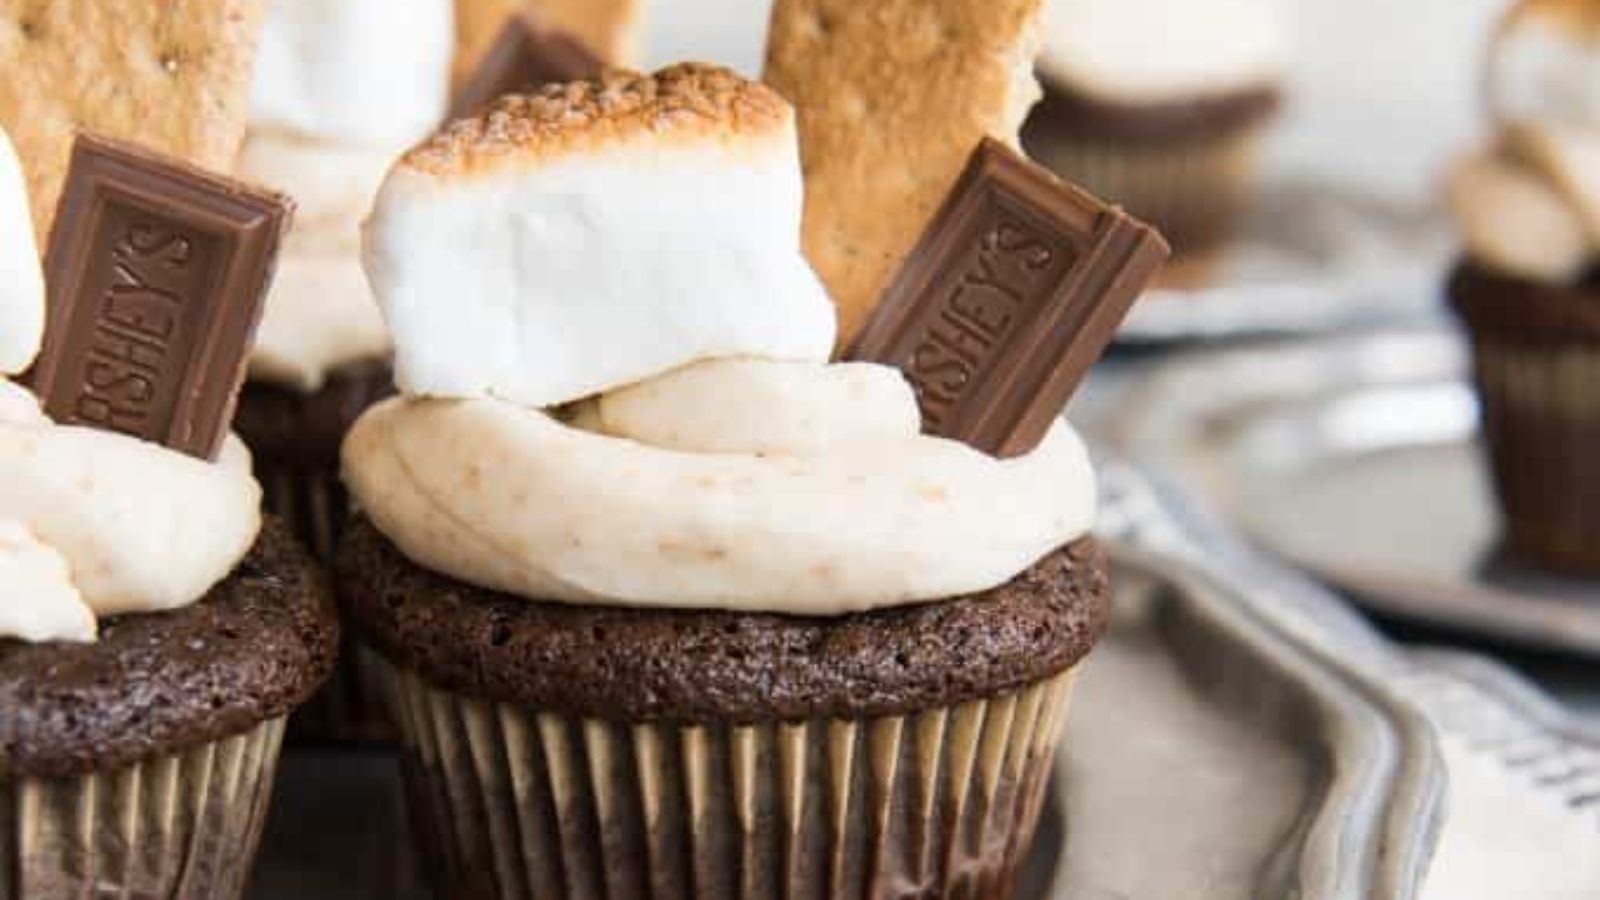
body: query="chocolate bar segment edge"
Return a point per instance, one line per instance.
(1016, 287)
(156, 276)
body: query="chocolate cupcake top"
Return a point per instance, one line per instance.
(1528, 204)
(641, 665)
(255, 646)
(626, 250)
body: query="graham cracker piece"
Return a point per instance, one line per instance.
(610, 28)
(172, 75)
(892, 98)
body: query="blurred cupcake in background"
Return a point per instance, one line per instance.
(610, 29)
(342, 88)
(1161, 105)
(1528, 287)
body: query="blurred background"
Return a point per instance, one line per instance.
(1380, 93)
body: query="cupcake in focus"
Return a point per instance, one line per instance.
(1528, 288)
(154, 632)
(1161, 106)
(341, 89)
(668, 604)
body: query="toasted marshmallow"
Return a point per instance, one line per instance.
(356, 71)
(594, 235)
(1570, 159)
(1546, 64)
(21, 278)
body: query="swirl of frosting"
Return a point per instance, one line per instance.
(739, 484)
(94, 523)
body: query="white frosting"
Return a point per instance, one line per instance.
(39, 602)
(1516, 222)
(21, 278)
(320, 313)
(549, 279)
(512, 499)
(1569, 157)
(319, 316)
(757, 407)
(355, 71)
(332, 184)
(1531, 205)
(1547, 71)
(142, 528)
(1155, 50)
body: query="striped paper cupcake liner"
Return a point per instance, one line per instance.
(518, 803)
(1541, 425)
(179, 827)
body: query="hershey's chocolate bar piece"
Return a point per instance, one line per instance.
(1012, 292)
(525, 55)
(156, 275)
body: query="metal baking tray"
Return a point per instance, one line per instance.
(1203, 736)
(1355, 458)
(1313, 257)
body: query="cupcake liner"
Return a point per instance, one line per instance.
(519, 803)
(311, 499)
(1541, 424)
(183, 826)
(1195, 191)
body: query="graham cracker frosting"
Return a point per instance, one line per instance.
(689, 101)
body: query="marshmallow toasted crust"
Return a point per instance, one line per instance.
(594, 235)
(21, 278)
(373, 72)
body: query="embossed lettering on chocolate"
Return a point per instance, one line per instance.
(1013, 291)
(156, 275)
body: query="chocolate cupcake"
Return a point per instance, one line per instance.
(144, 761)
(341, 89)
(154, 634)
(667, 604)
(1526, 291)
(1161, 106)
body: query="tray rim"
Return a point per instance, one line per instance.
(1373, 828)
(1391, 358)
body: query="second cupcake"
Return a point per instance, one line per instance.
(1161, 106)
(1527, 290)
(668, 605)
